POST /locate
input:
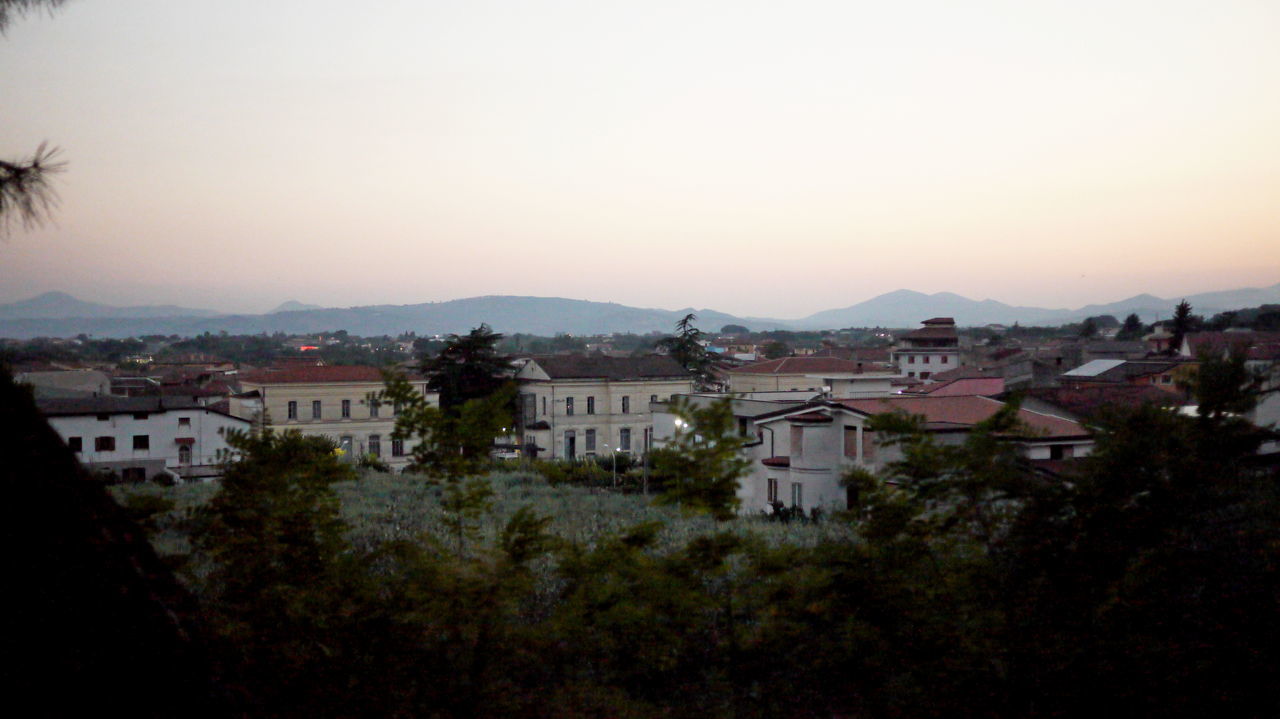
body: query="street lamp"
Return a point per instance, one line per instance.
(613, 452)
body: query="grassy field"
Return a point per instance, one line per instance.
(380, 507)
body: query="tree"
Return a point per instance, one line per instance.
(1131, 329)
(776, 350)
(685, 347)
(1182, 324)
(702, 464)
(734, 330)
(1089, 328)
(469, 367)
(26, 195)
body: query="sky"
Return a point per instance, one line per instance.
(759, 158)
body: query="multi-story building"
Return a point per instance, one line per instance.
(577, 406)
(810, 446)
(804, 374)
(140, 438)
(930, 349)
(334, 402)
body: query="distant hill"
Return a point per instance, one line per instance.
(57, 314)
(294, 306)
(906, 308)
(532, 315)
(60, 305)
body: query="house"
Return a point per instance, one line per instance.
(1169, 375)
(574, 406)
(335, 402)
(798, 374)
(813, 444)
(141, 438)
(935, 347)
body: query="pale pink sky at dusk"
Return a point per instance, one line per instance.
(770, 159)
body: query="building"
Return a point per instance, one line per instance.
(812, 445)
(334, 402)
(575, 406)
(141, 438)
(808, 374)
(928, 350)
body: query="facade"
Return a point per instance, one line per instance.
(580, 406)
(140, 438)
(333, 402)
(811, 446)
(930, 349)
(795, 374)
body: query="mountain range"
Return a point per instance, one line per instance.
(57, 314)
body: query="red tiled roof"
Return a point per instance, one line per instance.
(984, 386)
(932, 333)
(963, 373)
(961, 412)
(802, 365)
(298, 374)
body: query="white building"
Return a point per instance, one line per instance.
(580, 406)
(141, 437)
(813, 445)
(930, 349)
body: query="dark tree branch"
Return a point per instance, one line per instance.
(26, 195)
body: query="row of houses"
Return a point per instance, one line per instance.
(806, 417)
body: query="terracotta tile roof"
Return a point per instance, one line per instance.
(1222, 341)
(983, 386)
(611, 368)
(964, 412)
(303, 374)
(932, 333)
(963, 373)
(1095, 399)
(802, 366)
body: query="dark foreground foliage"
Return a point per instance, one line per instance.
(1145, 584)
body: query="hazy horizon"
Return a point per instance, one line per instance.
(760, 160)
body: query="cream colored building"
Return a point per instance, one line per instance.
(809, 374)
(579, 406)
(333, 402)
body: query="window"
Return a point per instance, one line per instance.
(1166, 379)
(184, 421)
(591, 440)
(653, 398)
(315, 409)
(375, 445)
(104, 444)
(773, 490)
(184, 454)
(570, 444)
(140, 415)
(75, 443)
(911, 359)
(797, 495)
(568, 405)
(397, 448)
(624, 439)
(373, 408)
(544, 405)
(925, 359)
(1060, 451)
(293, 410)
(943, 359)
(141, 441)
(346, 409)
(626, 404)
(925, 375)
(104, 417)
(591, 405)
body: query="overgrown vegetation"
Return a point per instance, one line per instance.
(962, 584)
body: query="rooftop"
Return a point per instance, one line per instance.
(804, 366)
(963, 412)
(610, 368)
(307, 374)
